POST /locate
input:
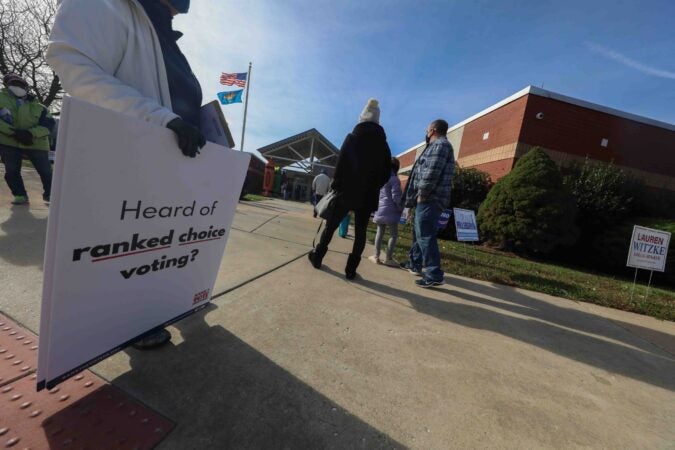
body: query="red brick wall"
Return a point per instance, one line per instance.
(408, 159)
(503, 124)
(496, 169)
(404, 181)
(579, 131)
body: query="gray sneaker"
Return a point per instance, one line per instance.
(407, 266)
(425, 283)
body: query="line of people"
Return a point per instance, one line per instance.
(366, 182)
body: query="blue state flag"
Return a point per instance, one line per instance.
(227, 98)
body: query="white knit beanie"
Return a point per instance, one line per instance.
(371, 112)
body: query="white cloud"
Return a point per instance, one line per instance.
(616, 56)
(300, 79)
(290, 90)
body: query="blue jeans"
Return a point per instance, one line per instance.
(12, 157)
(344, 225)
(424, 251)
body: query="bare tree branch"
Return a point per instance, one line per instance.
(24, 34)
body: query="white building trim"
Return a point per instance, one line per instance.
(555, 96)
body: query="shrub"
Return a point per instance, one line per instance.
(651, 202)
(604, 195)
(529, 209)
(609, 251)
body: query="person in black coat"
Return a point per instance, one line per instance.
(363, 168)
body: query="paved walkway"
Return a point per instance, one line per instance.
(290, 357)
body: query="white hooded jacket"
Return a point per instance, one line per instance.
(107, 52)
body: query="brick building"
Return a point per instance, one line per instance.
(254, 175)
(567, 129)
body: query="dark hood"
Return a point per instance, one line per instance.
(366, 128)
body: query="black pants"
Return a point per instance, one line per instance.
(361, 217)
(12, 157)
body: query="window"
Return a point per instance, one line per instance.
(486, 135)
(604, 142)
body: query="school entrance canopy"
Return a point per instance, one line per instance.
(309, 151)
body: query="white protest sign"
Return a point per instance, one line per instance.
(465, 223)
(135, 236)
(648, 249)
(404, 216)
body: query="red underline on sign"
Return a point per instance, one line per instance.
(129, 254)
(203, 240)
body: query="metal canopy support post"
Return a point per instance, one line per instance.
(301, 160)
(302, 164)
(324, 165)
(326, 157)
(311, 156)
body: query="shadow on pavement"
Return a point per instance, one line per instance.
(24, 243)
(553, 330)
(224, 394)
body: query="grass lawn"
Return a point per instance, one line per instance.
(484, 263)
(255, 198)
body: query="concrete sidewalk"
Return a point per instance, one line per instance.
(288, 356)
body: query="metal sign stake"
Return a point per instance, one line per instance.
(633, 289)
(651, 272)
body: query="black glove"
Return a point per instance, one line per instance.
(23, 137)
(190, 139)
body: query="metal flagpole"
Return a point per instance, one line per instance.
(248, 85)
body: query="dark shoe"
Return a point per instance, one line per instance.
(316, 257)
(154, 340)
(425, 283)
(45, 198)
(20, 200)
(407, 266)
(352, 264)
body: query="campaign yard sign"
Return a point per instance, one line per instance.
(443, 219)
(465, 222)
(648, 249)
(404, 216)
(135, 236)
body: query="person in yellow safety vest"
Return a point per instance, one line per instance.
(25, 126)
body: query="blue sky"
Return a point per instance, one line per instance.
(316, 63)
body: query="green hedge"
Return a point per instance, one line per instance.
(529, 210)
(610, 249)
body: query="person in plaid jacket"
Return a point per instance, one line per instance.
(428, 191)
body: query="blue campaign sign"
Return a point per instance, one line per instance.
(404, 216)
(444, 219)
(465, 222)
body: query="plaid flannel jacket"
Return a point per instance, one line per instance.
(431, 176)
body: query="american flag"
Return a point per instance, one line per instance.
(238, 79)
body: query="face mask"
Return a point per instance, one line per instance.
(181, 6)
(19, 92)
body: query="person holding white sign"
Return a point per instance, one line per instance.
(122, 55)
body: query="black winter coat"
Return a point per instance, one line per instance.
(363, 167)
